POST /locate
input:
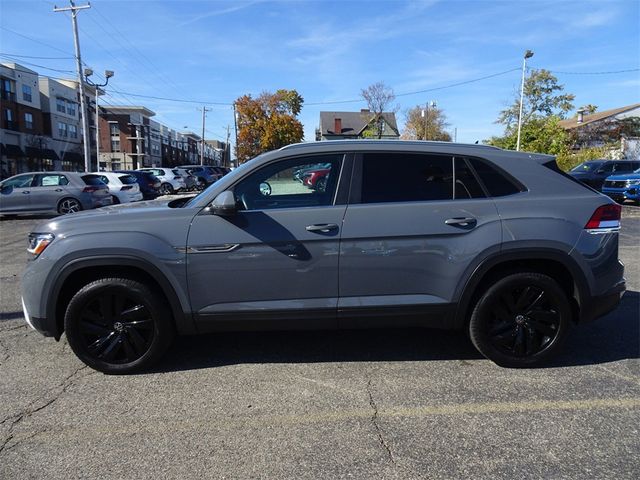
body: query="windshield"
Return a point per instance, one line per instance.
(587, 167)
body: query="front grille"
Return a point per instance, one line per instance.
(615, 183)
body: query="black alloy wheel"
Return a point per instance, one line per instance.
(166, 189)
(521, 320)
(118, 325)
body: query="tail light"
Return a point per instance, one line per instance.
(605, 219)
(91, 188)
(177, 177)
(126, 187)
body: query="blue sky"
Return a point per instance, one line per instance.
(216, 51)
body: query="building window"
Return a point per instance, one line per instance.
(73, 131)
(115, 145)
(114, 129)
(62, 129)
(71, 108)
(26, 93)
(61, 105)
(8, 92)
(28, 121)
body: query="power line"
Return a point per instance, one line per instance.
(596, 73)
(37, 58)
(33, 39)
(36, 65)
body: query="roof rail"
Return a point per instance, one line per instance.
(387, 142)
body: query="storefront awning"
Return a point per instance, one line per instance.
(13, 151)
(34, 152)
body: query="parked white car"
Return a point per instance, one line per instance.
(123, 187)
(170, 179)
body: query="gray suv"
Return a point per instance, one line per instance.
(498, 243)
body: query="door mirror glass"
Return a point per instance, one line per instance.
(224, 204)
(6, 189)
(265, 189)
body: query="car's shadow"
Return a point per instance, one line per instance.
(611, 338)
(26, 216)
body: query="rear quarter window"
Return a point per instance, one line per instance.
(127, 179)
(497, 183)
(92, 180)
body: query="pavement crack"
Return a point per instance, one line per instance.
(376, 425)
(4, 352)
(31, 409)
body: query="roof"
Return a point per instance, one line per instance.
(353, 123)
(594, 117)
(127, 109)
(392, 143)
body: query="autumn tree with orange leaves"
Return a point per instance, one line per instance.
(267, 122)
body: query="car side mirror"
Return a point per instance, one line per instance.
(6, 190)
(224, 204)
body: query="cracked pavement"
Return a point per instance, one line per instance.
(372, 404)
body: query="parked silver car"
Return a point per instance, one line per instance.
(47, 192)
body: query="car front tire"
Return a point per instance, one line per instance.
(118, 325)
(521, 321)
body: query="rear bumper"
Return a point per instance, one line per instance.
(602, 304)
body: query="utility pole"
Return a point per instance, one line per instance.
(83, 111)
(235, 127)
(204, 115)
(227, 150)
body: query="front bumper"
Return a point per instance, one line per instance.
(39, 324)
(631, 192)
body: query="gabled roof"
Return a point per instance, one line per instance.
(353, 123)
(594, 117)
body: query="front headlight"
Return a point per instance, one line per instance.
(635, 181)
(38, 242)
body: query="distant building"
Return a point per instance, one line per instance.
(125, 137)
(23, 145)
(349, 125)
(599, 128)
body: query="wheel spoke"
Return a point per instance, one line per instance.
(118, 305)
(105, 307)
(518, 344)
(507, 300)
(524, 298)
(99, 343)
(543, 328)
(93, 329)
(128, 349)
(535, 302)
(138, 341)
(132, 310)
(500, 328)
(549, 317)
(113, 348)
(504, 339)
(146, 324)
(501, 313)
(92, 316)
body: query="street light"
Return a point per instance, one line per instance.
(107, 75)
(527, 54)
(425, 115)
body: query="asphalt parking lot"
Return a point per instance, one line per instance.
(365, 404)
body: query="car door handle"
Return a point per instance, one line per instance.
(321, 227)
(462, 222)
(58, 190)
(25, 191)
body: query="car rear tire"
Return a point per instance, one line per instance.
(69, 205)
(521, 321)
(118, 325)
(114, 200)
(166, 189)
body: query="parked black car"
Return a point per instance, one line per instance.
(149, 183)
(594, 172)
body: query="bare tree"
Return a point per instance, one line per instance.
(429, 124)
(379, 100)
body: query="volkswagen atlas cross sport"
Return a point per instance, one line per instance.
(498, 243)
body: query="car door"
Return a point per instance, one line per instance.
(15, 195)
(48, 190)
(276, 258)
(413, 226)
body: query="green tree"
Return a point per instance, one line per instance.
(543, 97)
(541, 135)
(428, 126)
(267, 122)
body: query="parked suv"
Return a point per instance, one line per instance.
(170, 179)
(498, 243)
(594, 172)
(149, 184)
(623, 187)
(205, 174)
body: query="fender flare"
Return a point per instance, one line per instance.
(466, 289)
(182, 317)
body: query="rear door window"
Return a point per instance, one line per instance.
(21, 181)
(51, 180)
